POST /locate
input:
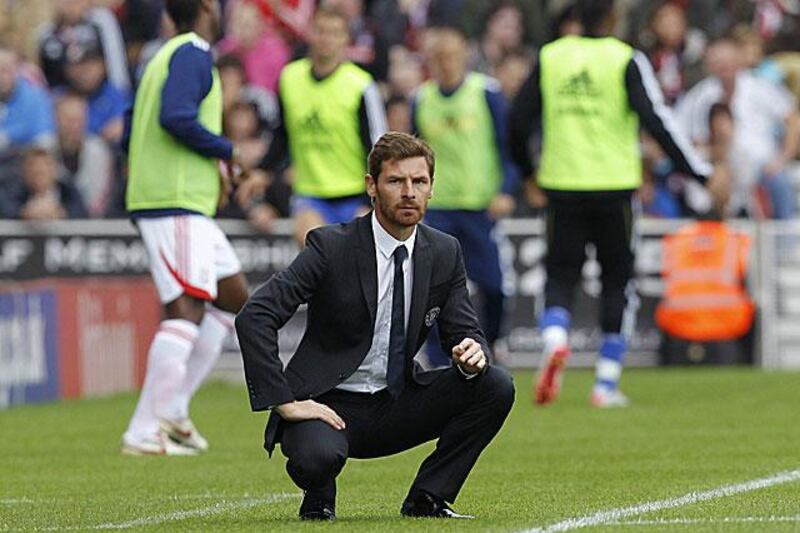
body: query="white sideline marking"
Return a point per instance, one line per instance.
(614, 515)
(16, 501)
(217, 508)
(697, 521)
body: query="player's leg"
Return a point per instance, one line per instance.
(175, 253)
(566, 233)
(307, 213)
(477, 235)
(613, 237)
(217, 324)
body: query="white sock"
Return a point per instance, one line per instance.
(214, 328)
(554, 337)
(166, 370)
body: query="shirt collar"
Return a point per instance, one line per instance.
(387, 244)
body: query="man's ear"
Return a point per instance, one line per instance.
(371, 186)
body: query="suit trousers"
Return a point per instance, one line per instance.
(464, 415)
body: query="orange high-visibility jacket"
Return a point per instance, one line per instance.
(704, 267)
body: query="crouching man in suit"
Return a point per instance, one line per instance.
(374, 288)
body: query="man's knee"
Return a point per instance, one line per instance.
(315, 463)
(498, 388)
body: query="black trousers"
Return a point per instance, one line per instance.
(573, 221)
(464, 415)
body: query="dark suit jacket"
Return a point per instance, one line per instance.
(336, 274)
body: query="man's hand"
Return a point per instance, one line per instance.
(310, 410)
(469, 355)
(225, 184)
(501, 206)
(251, 185)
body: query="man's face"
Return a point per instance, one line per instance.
(329, 38)
(8, 72)
(87, 76)
(448, 60)
(722, 61)
(401, 191)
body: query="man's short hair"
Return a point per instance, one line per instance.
(183, 13)
(396, 146)
(594, 12)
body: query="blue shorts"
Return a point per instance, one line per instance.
(475, 231)
(332, 211)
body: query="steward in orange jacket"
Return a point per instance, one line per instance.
(705, 264)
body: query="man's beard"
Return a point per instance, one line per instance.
(393, 214)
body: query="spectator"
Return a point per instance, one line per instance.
(400, 21)
(263, 53)
(503, 34)
(367, 48)
(512, 71)
(675, 51)
(77, 21)
(753, 56)
(243, 127)
(398, 114)
(39, 195)
(236, 89)
(25, 112)
(292, 18)
(85, 160)
(760, 109)
(86, 75)
(405, 72)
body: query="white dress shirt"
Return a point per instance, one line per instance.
(371, 375)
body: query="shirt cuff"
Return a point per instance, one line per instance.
(466, 374)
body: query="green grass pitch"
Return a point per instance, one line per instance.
(689, 430)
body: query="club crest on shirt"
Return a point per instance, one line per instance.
(430, 316)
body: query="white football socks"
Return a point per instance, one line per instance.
(554, 337)
(166, 370)
(214, 328)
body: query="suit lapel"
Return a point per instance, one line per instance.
(367, 265)
(423, 262)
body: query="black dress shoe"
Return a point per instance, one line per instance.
(315, 508)
(423, 505)
(321, 513)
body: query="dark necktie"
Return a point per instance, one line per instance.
(395, 372)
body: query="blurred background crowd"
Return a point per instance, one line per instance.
(69, 68)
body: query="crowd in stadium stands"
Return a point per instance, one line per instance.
(69, 68)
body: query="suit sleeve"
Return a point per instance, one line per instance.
(458, 319)
(644, 96)
(267, 310)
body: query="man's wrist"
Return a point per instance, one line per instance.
(467, 375)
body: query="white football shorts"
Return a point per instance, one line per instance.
(188, 254)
